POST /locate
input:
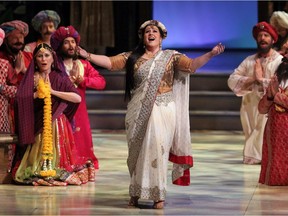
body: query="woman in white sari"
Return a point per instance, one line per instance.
(157, 119)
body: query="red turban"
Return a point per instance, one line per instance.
(61, 33)
(264, 26)
(19, 25)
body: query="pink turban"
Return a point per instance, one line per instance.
(61, 33)
(264, 26)
(9, 27)
(2, 36)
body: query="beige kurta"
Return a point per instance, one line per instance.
(252, 121)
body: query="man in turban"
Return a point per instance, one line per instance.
(65, 41)
(18, 60)
(279, 20)
(45, 23)
(250, 81)
(7, 93)
(11, 50)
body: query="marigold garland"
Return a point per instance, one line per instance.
(43, 91)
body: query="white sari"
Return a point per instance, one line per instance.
(158, 130)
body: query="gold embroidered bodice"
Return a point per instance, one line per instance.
(178, 62)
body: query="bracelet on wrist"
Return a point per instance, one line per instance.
(88, 58)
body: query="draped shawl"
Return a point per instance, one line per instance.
(29, 112)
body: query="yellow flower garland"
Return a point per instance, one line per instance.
(43, 91)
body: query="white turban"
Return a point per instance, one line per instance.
(280, 18)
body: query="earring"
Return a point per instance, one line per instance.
(53, 66)
(36, 68)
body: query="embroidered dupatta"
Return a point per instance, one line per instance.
(180, 153)
(140, 108)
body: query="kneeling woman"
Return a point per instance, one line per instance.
(46, 102)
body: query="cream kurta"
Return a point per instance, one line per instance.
(252, 121)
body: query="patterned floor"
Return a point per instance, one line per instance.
(220, 185)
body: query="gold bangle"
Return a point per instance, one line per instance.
(88, 58)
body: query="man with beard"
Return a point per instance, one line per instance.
(65, 41)
(6, 93)
(250, 81)
(17, 64)
(11, 49)
(45, 23)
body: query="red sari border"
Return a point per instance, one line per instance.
(188, 160)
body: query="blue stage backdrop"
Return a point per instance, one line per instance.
(202, 24)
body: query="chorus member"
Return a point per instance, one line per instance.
(83, 75)
(249, 81)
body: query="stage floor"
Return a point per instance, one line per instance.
(220, 185)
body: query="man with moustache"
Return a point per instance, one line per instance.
(250, 81)
(11, 49)
(45, 23)
(65, 41)
(7, 92)
(17, 64)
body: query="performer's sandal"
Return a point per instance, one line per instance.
(133, 202)
(159, 204)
